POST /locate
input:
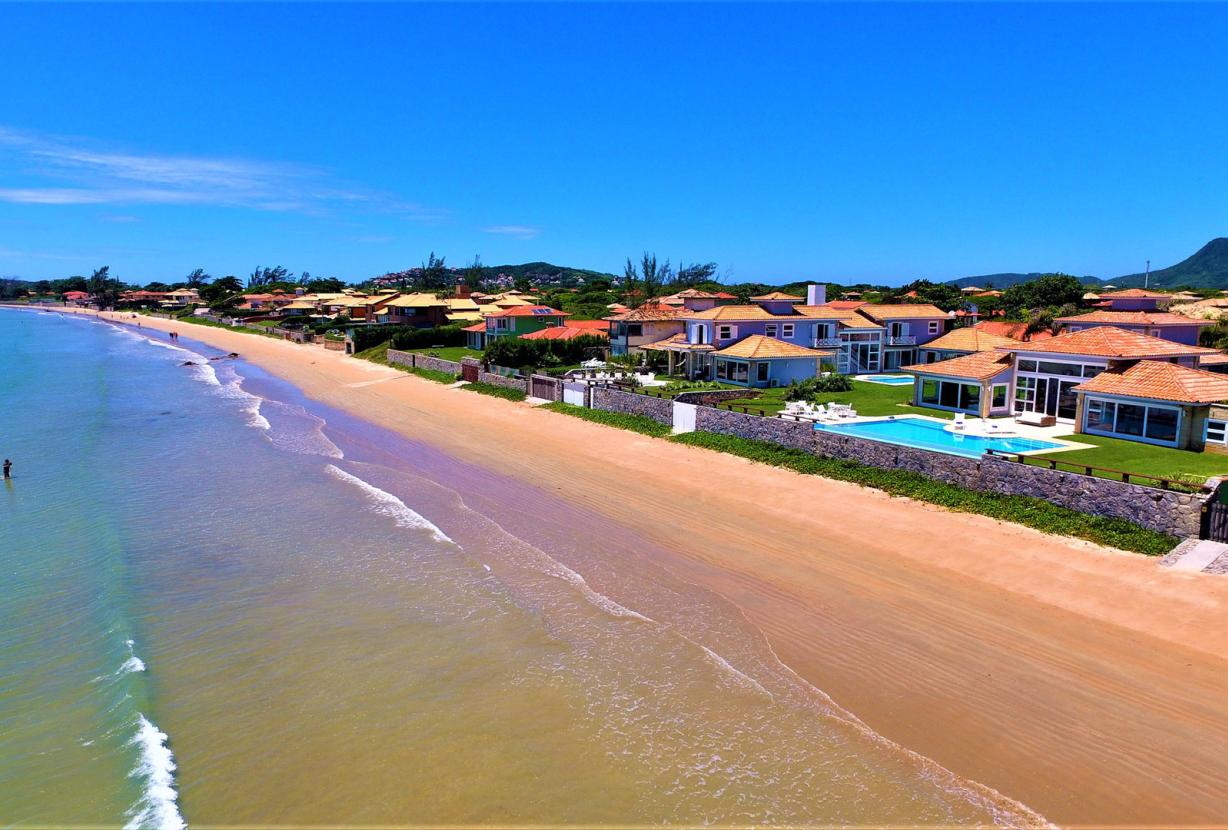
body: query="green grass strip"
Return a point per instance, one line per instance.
(636, 423)
(200, 321)
(1025, 510)
(494, 391)
(379, 354)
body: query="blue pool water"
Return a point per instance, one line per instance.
(930, 435)
(890, 380)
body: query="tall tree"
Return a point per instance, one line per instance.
(631, 283)
(267, 276)
(474, 273)
(696, 273)
(103, 288)
(434, 273)
(198, 278)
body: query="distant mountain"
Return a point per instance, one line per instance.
(1206, 269)
(998, 281)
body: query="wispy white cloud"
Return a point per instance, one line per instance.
(119, 219)
(514, 231)
(61, 171)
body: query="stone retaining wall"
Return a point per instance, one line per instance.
(401, 358)
(629, 403)
(507, 383)
(436, 364)
(1165, 511)
(798, 436)
(713, 397)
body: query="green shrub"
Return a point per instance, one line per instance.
(518, 352)
(636, 423)
(806, 390)
(495, 391)
(1025, 510)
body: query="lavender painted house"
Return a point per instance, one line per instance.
(1174, 327)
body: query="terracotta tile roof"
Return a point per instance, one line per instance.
(1135, 293)
(975, 366)
(847, 303)
(1217, 359)
(650, 311)
(846, 317)
(761, 347)
(463, 316)
(596, 325)
(1135, 318)
(1014, 331)
(529, 311)
(461, 304)
(1157, 380)
(564, 333)
(696, 294)
(899, 312)
(776, 295)
(968, 339)
(1109, 341)
(416, 301)
(737, 312)
(477, 327)
(678, 343)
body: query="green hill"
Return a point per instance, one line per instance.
(1206, 269)
(998, 281)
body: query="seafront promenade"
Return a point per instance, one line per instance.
(981, 644)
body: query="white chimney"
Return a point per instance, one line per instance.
(816, 294)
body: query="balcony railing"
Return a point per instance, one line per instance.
(827, 341)
(902, 340)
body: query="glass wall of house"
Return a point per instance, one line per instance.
(960, 396)
(1047, 386)
(1136, 420)
(895, 358)
(732, 371)
(860, 352)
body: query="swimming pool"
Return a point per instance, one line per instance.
(930, 435)
(889, 380)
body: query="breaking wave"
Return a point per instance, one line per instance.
(389, 505)
(158, 806)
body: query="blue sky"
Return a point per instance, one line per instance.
(842, 142)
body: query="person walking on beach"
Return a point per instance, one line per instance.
(8, 465)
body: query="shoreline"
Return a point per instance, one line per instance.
(1086, 683)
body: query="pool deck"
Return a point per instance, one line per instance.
(977, 427)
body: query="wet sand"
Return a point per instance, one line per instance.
(1089, 684)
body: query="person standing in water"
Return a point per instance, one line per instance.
(8, 465)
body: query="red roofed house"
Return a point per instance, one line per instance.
(77, 298)
(1102, 380)
(521, 320)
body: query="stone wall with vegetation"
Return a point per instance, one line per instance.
(629, 403)
(436, 364)
(519, 384)
(710, 397)
(1164, 511)
(793, 434)
(423, 361)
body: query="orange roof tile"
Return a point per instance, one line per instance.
(847, 303)
(476, 327)
(564, 333)
(761, 347)
(737, 312)
(529, 311)
(1014, 331)
(650, 311)
(968, 339)
(901, 311)
(776, 295)
(975, 366)
(1135, 293)
(678, 342)
(1109, 341)
(1135, 318)
(1161, 381)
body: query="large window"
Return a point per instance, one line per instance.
(949, 394)
(1139, 421)
(999, 396)
(1217, 431)
(732, 370)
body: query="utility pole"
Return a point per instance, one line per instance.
(1147, 276)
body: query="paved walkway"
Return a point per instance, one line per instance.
(1198, 556)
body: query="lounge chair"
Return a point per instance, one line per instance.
(959, 420)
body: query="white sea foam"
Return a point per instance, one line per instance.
(132, 664)
(555, 568)
(290, 433)
(389, 505)
(739, 677)
(158, 806)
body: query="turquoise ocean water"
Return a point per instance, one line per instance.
(225, 604)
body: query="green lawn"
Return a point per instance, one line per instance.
(454, 353)
(1136, 457)
(866, 398)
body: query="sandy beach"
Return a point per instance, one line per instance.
(1087, 683)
